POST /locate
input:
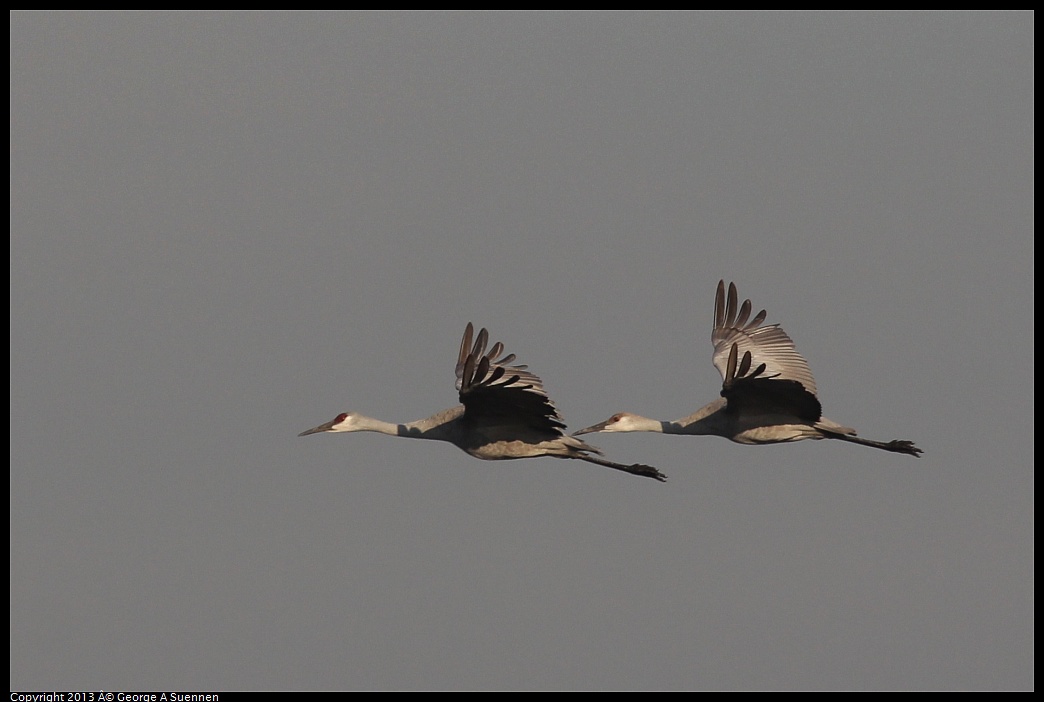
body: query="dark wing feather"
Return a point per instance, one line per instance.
(749, 392)
(494, 393)
(768, 345)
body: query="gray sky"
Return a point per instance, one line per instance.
(228, 228)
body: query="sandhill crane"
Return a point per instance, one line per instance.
(504, 414)
(768, 394)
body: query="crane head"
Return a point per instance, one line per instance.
(621, 421)
(345, 421)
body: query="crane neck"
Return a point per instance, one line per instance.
(363, 423)
(442, 426)
(706, 421)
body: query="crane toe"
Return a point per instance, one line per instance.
(901, 446)
(648, 472)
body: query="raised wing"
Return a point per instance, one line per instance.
(493, 392)
(768, 346)
(748, 392)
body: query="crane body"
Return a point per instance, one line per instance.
(768, 394)
(504, 414)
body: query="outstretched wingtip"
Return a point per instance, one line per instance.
(465, 346)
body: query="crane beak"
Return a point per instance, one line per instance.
(592, 430)
(322, 427)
